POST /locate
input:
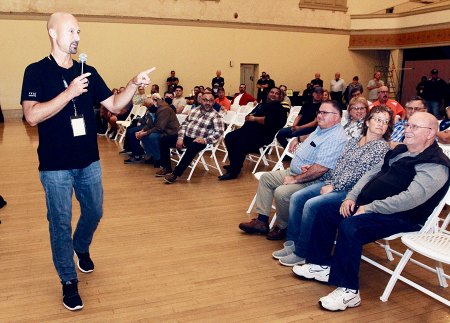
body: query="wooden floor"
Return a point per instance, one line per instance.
(168, 253)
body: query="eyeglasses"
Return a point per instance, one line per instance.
(414, 127)
(324, 112)
(206, 100)
(358, 108)
(382, 121)
(415, 108)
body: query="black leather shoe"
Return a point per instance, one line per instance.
(227, 177)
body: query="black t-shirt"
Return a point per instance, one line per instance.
(219, 80)
(58, 148)
(309, 112)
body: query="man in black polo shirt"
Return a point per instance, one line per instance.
(58, 95)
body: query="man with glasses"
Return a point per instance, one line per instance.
(415, 104)
(203, 126)
(383, 98)
(313, 158)
(395, 196)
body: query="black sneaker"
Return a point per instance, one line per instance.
(71, 299)
(85, 263)
(133, 160)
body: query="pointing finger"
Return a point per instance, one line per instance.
(150, 70)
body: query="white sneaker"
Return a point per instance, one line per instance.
(288, 248)
(311, 271)
(340, 299)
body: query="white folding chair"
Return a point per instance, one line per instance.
(181, 117)
(278, 165)
(238, 122)
(267, 149)
(430, 227)
(228, 119)
(200, 158)
(136, 112)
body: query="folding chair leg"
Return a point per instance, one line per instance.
(272, 223)
(440, 274)
(250, 208)
(395, 275)
(387, 249)
(213, 156)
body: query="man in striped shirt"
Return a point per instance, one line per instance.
(203, 126)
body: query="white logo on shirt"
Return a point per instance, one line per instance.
(32, 94)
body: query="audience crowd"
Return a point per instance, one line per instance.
(362, 168)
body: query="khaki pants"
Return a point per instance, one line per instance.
(271, 187)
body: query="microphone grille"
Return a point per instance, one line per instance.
(82, 58)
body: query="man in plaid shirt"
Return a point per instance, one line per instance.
(203, 126)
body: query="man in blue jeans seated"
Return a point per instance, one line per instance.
(58, 95)
(395, 196)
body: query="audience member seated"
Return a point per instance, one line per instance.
(415, 104)
(357, 111)
(326, 95)
(394, 196)
(135, 126)
(243, 98)
(285, 100)
(163, 123)
(122, 115)
(444, 128)
(359, 156)
(222, 100)
(140, 96)
(383, 92)
(179, 102)
(306, 121)
(315, 157)
(168, 97)
(259, 129)
(203, 126)
(154, 89)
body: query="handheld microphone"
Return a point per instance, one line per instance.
(83, 59)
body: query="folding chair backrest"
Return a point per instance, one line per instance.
(445, 149)
(132, 113)
(229, 117)
(140, 111)
(293, 113)
(344, 118)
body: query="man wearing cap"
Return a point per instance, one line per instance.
(306, 121)
(434, 92)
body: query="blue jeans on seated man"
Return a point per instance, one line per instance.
(151, 145)
(59, 187)
(353, 233)
(286, 133)
(303, 208)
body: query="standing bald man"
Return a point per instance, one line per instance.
(59, 99)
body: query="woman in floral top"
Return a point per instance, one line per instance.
(357, 111)
(358, 157)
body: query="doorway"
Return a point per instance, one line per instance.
(248, 77)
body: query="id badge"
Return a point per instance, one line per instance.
(78, 125)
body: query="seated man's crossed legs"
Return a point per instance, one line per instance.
(167, 142)
(239, 144)
(271, 188)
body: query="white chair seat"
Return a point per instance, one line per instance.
(434, 246)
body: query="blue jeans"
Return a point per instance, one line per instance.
(303, 207)
(151, 145)
(434, 107)
(353, 233)
(59, 187)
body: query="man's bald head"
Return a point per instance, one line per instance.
(420, 133)
(63, 30)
